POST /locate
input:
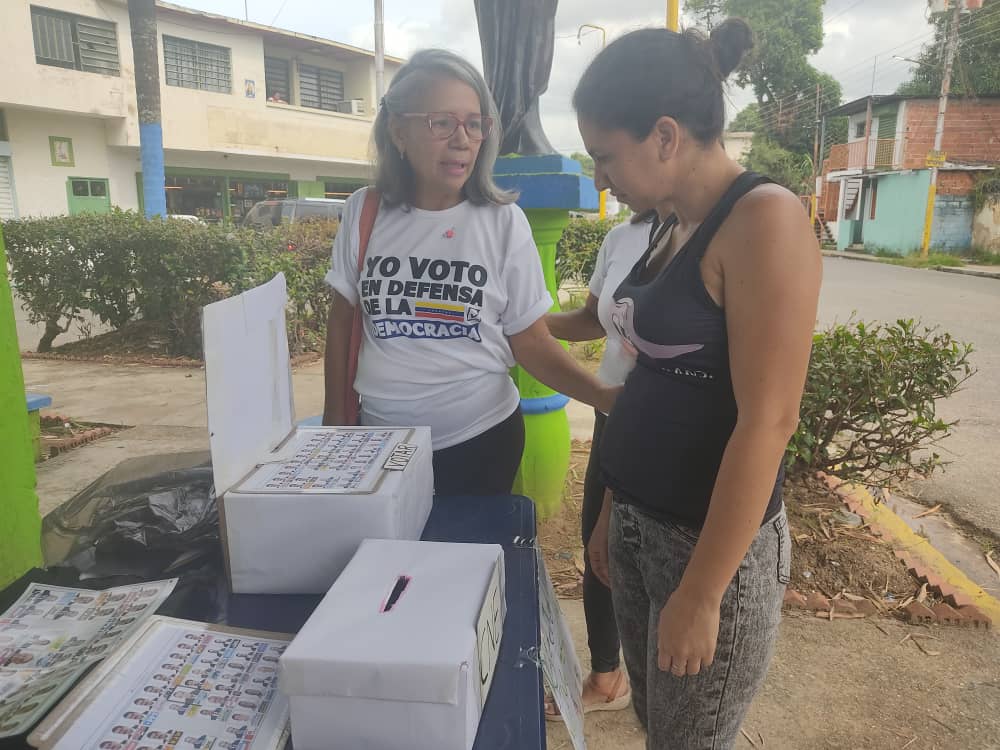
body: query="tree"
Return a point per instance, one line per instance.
(585, 161)
(977, 64)
(786, 32)
(788, 168)
(747, 118)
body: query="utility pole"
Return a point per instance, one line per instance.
(673, 14)
(815, 170)
(602, 197)
(379, 55)
(949, 59)
(145, 57)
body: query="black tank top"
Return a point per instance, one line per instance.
(663, 442)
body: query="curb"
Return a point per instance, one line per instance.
(55, 446)
(943, 269)
(967, 603)
(968, 272)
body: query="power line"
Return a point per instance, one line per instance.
(840, 13)
(283, 4)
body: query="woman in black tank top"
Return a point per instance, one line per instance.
(721, 310)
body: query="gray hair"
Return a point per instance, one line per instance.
(394, 177)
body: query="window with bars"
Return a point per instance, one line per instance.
(277, 79)
(76, 42)
(320, 88)
(196, 65)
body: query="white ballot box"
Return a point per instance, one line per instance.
(295, 502)
(401, 651)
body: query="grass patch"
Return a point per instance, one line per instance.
(933, 259)
(981, 257)
(914, 259)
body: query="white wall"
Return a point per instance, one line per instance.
(100, 114)
(737, 143)
(26, 83)
(41, 187)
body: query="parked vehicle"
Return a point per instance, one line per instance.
(187, 217)
(268, 214)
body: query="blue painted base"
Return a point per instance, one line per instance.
(544, 404)
(547, 182)
(153, 179)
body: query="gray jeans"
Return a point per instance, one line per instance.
(703, 711)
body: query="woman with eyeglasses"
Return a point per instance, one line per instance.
(451, 288)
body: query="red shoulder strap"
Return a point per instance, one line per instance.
(368, 213)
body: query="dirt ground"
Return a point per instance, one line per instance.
(832, 552)
(848, 685)
(840, 685)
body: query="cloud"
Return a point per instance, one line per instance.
(853, 35)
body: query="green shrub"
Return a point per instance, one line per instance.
(302, 252)
(576, 251)
(46, 272)
(180, 267)
(119, 266)
(869, 407)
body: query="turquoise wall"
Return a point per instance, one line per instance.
(845, 231)
(898, 225)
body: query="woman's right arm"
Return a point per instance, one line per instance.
(338, 341)
(577, 325)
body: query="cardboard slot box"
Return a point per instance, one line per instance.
(401, 652)
(295, 503)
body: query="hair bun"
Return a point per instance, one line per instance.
(729, 42)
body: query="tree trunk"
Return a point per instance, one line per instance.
(52, 329)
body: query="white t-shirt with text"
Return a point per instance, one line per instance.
(441, 292)
(621, 249)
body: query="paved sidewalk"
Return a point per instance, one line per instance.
(968, 269)
(165, 406)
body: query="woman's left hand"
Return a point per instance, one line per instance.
(688, 632)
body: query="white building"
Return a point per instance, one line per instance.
(737, 143)
(248, 111)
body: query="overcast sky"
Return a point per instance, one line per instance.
(856, 32)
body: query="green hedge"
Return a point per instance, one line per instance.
(576, 251)
(121, 267)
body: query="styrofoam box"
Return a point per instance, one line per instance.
(401, 651)
(295, 503)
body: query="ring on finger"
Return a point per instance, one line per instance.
(678, 669)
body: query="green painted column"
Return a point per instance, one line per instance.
(542, 475)
(20, 524)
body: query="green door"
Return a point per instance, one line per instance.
(88, 195)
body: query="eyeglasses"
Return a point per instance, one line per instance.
(444, 124)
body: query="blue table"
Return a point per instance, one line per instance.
(512, 718)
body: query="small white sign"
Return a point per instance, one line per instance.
(559, 663)
(400, 457)
(489, 631)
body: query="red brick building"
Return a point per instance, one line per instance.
(874, 185)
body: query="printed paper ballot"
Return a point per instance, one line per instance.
(177, 684)
(401, 651)
(294, 503)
